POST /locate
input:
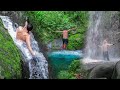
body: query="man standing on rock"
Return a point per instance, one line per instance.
(65, 37)
(105, 47)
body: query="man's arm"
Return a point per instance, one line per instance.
(57, 31)
(26, 23)
(71, 29)
(110, 44)
(29, 45)
(17, 32)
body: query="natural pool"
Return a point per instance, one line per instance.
(60, 60)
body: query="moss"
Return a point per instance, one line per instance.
(10, 66)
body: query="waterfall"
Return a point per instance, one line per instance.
(102, 24)
(38, 70)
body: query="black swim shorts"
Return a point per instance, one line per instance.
(65, 41)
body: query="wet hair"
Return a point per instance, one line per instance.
(29, 27)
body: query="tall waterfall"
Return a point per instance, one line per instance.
(38, 70)
(102, 24)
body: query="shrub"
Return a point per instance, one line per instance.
(46, 22)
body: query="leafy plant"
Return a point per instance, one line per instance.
(75, 68)
(46, 22)
(64, 75)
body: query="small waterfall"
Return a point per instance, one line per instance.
(102, 24)
(38, 69)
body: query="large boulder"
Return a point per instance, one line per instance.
(116, 71)
(108, 70)
(104, 70)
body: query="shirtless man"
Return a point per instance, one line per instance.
(104, 47)
(65, 37)
(22, 33)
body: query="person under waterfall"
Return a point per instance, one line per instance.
(105, 45)
(23, 33)
(65, 37)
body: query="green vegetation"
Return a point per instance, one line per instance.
(46, 22)
(10, 66)
(75, 67)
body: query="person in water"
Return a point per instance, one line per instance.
(65, 37)
(105, 47)
(23, 34)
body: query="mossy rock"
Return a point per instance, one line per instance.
(10, 59)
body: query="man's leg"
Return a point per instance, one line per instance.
(107, 56)
(64, 46)
(104, 55)
(66, 43)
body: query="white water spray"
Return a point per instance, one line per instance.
(102, 24)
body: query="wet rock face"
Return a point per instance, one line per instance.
(103, 24)
(111, 28)
(16, 16)
(56, 44)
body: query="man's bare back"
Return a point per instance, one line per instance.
(21, 34)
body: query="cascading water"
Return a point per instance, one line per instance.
(38, 70)
(102, 24)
